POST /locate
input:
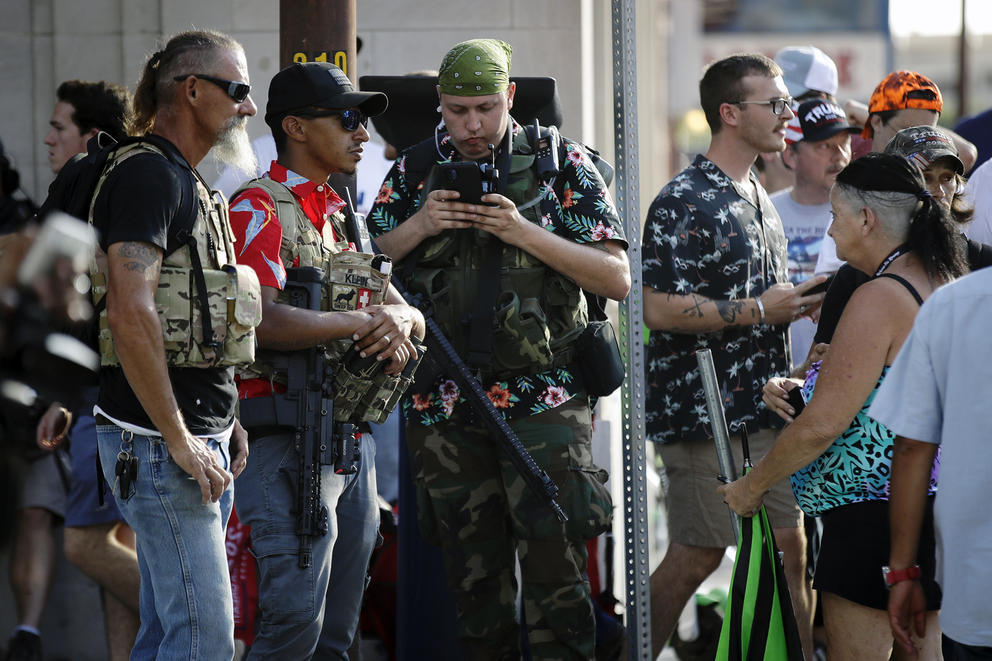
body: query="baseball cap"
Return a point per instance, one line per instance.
(901, 90)
(816, 120)
(807, 68)
(922, 145)
(317, 85)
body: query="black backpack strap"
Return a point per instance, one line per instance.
(905, 283)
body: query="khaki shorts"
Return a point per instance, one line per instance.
(697, 515)
(43, 485)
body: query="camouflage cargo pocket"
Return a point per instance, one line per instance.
(567, 311)
(521, 339)
(586, 497)
(244, 314)
(173, 302)
(235, 308)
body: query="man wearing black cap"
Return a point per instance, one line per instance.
(291, 218)
(818, 147)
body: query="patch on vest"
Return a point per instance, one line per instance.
(343, 298)
(354, 282)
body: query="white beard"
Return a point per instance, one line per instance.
(234, 147)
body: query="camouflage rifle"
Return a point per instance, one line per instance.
(447, 361)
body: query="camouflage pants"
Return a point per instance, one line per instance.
(475, 505)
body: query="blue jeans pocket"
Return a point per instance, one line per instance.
(287, 587)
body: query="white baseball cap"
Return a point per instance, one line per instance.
(807, 68)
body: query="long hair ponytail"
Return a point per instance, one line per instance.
(145, 103)
(934, 236)
(186, 53)
(896, 191)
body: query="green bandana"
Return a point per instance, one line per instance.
(475, 68)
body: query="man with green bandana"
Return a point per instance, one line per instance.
(504, 279)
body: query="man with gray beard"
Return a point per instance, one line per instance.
(233, 148)
(179, 316)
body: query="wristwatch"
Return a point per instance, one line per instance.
(893, 576)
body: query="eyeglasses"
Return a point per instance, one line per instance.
(350, 118)
(237, 91)
(778, 105)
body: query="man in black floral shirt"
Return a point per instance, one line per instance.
(716, 276)
(533, 246)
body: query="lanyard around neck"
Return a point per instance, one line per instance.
(898, 252)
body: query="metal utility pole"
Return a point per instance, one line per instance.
(320, 31)
(963, 63)
(636, 569)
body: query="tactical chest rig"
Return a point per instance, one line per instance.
(538, 313)
(348, 280)
(208, 305)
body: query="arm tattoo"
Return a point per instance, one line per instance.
(729, 310)
(139, 257)
(696, 309)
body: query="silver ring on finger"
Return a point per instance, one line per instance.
(802, 308)
(386, 338)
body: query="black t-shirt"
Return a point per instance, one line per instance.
(849, 278)
(151, 199)
(841, 289)
(14, 214)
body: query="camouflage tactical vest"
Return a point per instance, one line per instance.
(216, 332)
(352, 281)
(539, 312)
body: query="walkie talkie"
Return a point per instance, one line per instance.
(546, 150)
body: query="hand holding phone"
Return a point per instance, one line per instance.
(796, 401)
(471, 180)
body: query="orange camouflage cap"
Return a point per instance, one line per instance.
(901, 90)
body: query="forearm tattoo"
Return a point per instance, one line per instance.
(139, 257)
(731, 310)
(696, 309)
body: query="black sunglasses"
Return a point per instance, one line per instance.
(237, 91)
(350, 118)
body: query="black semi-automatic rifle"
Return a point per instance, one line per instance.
(314, 416)
(306, 409)
(447, 361)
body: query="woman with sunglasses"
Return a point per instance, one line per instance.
(888, 224)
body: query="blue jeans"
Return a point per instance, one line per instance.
(185, 602)
(293, 600)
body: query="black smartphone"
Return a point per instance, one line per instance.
(823, 286)
(464, 177)
(796, 401)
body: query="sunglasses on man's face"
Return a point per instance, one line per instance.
(237, 91)
(350, 118)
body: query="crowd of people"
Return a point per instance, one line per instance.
(872, 205)
(261, 339)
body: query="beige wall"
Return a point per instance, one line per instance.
(43, 42)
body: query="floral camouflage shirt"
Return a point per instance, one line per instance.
(703, 236)
(579, 207)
